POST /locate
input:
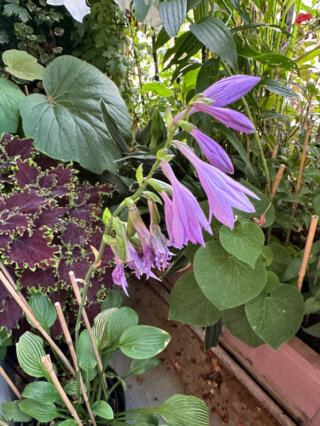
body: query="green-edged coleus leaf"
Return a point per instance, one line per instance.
(226, 281)
(63, 121)
(143, 341)
(22, 65)
(188, 303)
(245, 241)
(10, 98)
(29, 353)
(276, 314)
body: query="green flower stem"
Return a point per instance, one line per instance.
(108, 230)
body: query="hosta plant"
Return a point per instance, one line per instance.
(78, 392)
(49, 225)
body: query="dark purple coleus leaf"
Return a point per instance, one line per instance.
(51, 218)
(26, 173)
(10, 313)
(13, 147)
(65, 176)
(39, 278)
(46, 163)
(33, 251)
(5, 242)
(13, 223)
(74, 235)
(27, 201)
(47, 181)
(80, 268)
(82, 213)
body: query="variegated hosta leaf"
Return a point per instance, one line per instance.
(120, 321)
(100, 327)
(29, 353)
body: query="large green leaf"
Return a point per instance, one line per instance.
(67, 124)
(42, 412)
(86, 358)
(43, 392)
(276, 316)
(102, 409)
(226, 281)
(12, 411)
(244, 241)
(22, 65)
(173, 13)
(142, 8)
(43, 310)
(188, 304)
(140, 366)
(121, 321)
(10, 99)
(237, 323)
(143, 341)
(100, 328)
(184, 410)
(29, 353)
(216, 36)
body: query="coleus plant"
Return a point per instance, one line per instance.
(49, 225)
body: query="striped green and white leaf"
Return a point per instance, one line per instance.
(173, 13)
(183, 410)
(29, 353)
(143, 341)
(100, 327)
(42, 412)
(43, 392)
(12, 411)
(43, 310)
(120, 321)
(86, 358)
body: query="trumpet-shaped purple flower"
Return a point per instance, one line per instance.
(159, 241)
(118, 274)
(222, 191)
(186, 216)
(222, 93)
(215, 154)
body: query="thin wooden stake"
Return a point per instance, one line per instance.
(46, 362)
(88, 327)
(28, 312)
(277, 180)
(10, 382)
(307, 250)
(68, 338)
(299, 181)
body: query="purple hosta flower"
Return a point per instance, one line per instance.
(118, 274)
(222, 93)
(159, 241)
(145, 239)
(184, 217)
(222, 191)
(215, 154)
(136, 263)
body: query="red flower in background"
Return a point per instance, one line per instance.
(302, 17)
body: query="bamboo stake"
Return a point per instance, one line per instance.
(307, 250)
(68, 338)
(28, 312)
(10, 383)
(88, 327)
(299, 181)
(46, 362)
(277, 180)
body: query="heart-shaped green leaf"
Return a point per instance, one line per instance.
(245, 241)
(188, 304)
(67, 123)
(22, 65)
(10, 99)
(226, 281)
